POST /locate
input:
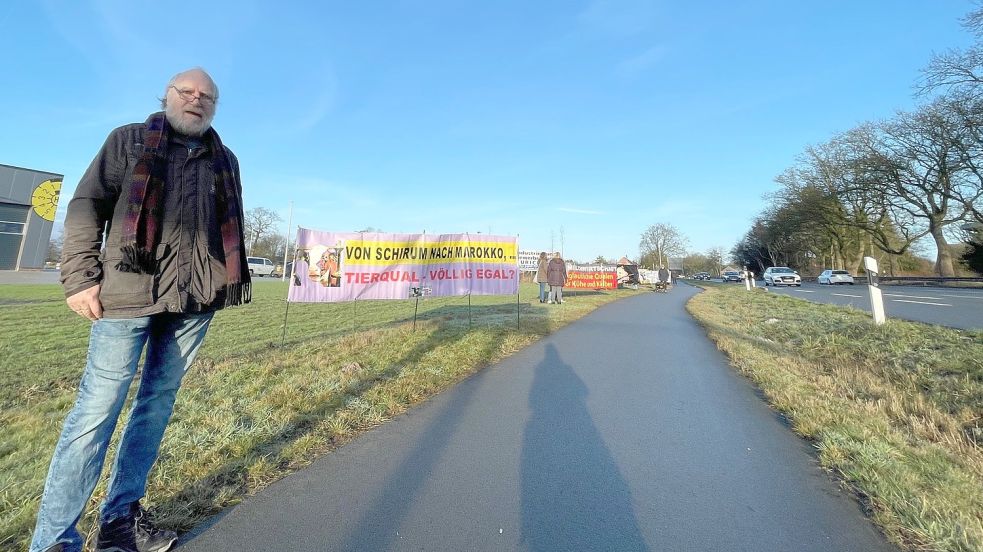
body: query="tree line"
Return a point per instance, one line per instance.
(262, 234)
(661, 241)
(882, 187)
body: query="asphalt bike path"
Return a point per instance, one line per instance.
(626, 430)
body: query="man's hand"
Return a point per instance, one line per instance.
(86, 303)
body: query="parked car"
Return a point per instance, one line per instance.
(782, 276)
(701, 276)
(732, 276)
(260, 266)
(830, 276)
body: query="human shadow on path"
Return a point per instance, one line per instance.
(231, 479)
(573, 494)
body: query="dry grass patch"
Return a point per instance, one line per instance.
(895, 410)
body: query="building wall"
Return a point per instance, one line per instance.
(28, 201)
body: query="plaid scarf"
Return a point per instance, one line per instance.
(141, 224)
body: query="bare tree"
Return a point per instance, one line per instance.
(54, 247)
(750, 251)
(659, 242)
(697, 262)
(957, 71)
(715, 257)
(260, 222)
(915, 159)
(835, 198)
(968, 144)
(600, 260)
(269, 246)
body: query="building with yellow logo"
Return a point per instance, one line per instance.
(28, 204)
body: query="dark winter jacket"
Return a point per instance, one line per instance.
(191, 267)
(556, 272)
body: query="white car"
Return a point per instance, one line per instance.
(260, 266)
(831, 277)
(781, 276)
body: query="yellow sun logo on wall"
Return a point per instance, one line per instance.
(45, 199)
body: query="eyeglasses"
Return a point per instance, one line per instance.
(189, 96)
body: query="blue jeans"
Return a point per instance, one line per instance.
(172, 341)
(542, 292)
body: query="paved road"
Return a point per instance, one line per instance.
(953, 307)
(29, 276)
(626, 430)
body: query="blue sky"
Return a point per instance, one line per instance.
(512, 117)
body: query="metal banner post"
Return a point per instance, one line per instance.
(283, 338)
(417, 292)
(517, 309)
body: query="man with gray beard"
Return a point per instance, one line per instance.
(164, 198)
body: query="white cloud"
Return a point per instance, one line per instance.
(580, 211)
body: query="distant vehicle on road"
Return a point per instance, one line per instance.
(702, 276)
(830, 276)
(782, 276)
(260, 266)
(732, 276)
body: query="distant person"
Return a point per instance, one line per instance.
(556, 276)
(168, 194)
(541, 276)
(665, 276)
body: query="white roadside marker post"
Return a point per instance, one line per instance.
(876, 299)
(753, 284)
(747, 279)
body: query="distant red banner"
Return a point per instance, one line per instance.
(591, 280)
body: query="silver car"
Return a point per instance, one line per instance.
(830, 276)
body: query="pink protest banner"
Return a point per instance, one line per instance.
(334, 266)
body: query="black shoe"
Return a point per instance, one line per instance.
(133, 533)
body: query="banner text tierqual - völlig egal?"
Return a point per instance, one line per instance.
(336, 266)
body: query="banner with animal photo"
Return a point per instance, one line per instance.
(348, 266)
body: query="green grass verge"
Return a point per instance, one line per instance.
(894, 410)
(249, 410)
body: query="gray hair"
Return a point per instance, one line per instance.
(163, 100)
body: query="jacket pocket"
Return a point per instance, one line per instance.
(121, 290)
